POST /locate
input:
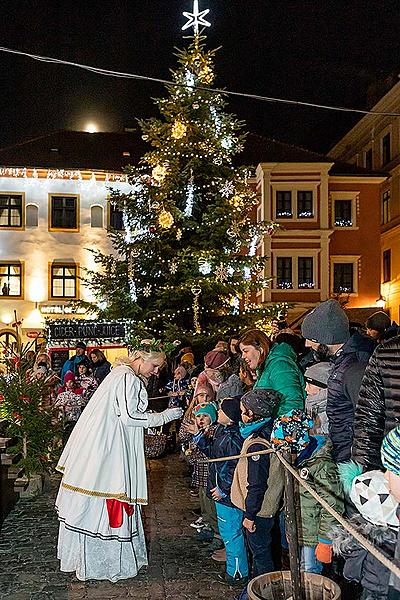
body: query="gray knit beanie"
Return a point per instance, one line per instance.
(318, 374)
(379, 321)
(326, 324)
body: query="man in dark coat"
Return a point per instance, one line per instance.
(326, 330)
(378, 407)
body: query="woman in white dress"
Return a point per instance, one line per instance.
(104, 474)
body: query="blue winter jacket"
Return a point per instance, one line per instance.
(344, 383)
(226, 441)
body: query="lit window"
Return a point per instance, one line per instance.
(343, 278)
(11, 210)
(284, 205)
(96, 216)
(305, 270)
(64, 212)
(63, 281)
(11, 279)
(343, 213)
(32, 215)
(284, 277)
(305, 208)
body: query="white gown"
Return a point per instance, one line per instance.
(104, 459)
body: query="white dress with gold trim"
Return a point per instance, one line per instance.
(104, 459)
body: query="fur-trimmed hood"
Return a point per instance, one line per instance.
(343, 542)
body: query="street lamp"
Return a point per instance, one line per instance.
(380, 302)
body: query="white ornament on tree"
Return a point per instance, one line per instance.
(174, 267)
(221, 273)
(228, 189)
(147, 290)
(204, 266)
(189, 197)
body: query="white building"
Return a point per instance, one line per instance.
(54, 208)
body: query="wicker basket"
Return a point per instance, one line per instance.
(154, 444)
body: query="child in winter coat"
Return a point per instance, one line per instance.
(226, 441)
(71, 403)
(377, 521)
(251, 491)
(316, 465)
(316, 377)
(390, 455)
(203, 417)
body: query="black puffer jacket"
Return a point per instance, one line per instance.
(378, 408)
(343, 386)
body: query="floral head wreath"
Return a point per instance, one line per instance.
(153, 345)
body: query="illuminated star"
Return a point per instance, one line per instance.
(196, 18)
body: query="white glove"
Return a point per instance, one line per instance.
(170, 414)
(158, 419)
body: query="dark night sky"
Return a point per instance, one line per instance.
(324, 51)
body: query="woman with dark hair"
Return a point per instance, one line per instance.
(276, 367)
(100, 365)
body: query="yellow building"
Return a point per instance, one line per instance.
(374, 143)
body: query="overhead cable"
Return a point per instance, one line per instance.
(123, 75)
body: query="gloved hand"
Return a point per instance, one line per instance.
(170, 414)
(323, 552)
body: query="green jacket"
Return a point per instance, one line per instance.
(280, 372)
(321, 473)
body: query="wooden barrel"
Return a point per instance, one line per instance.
(277, 586)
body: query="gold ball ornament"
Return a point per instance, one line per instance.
(159, 172)
(236, 201)
(165, 219)
(178, 130)
(206, 74)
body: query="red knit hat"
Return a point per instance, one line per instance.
(69, 376)
(215, 359)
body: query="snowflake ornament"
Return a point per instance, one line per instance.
(221, 273)
(228, 189)
(147, 291)
(174, 267)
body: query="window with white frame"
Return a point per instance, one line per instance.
(295, 270)
(344, 209)
(344, 274)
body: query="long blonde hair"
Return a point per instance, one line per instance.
(131, 358)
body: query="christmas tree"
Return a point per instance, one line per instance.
(187, 258)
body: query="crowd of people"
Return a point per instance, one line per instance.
(329, 394)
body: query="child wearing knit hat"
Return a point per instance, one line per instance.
(316, 377)
(390, 455)
(377, 521)
(226, 441)
(316, 465)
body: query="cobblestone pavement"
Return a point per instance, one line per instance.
(179, 567)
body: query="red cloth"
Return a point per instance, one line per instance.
(115, 512)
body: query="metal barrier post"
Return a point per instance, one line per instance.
(291, 491)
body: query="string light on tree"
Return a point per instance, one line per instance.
(196, 291)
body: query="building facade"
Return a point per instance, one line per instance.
(51, 217)
(329, 218)
(374, 143)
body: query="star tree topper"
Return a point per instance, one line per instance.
(196, 18)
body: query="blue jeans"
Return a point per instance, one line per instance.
(230, 527)
(309, 562)
(259, 544)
